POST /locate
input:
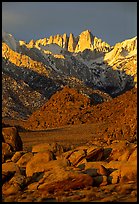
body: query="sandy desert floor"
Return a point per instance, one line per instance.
(67, 135)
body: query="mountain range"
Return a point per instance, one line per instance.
(33, 72)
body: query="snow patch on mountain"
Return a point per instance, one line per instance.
(52, 48)
(127, 48)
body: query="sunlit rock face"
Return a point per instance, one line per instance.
(88, 41)
(125, 49)
(43, 66)
(84, 41)
(124, 57)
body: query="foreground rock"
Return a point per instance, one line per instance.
(11, 142)
(84, 173)
(10, 135)
(54, 147)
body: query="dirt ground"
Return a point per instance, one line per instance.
(69, 135)
(66, 135)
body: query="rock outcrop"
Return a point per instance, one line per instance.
(85, 41)
(11, 142)
(73, 44)
(88, 41)
(74, 173)
(10, 135)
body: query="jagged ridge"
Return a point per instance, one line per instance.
(73, 44)
(84, 61)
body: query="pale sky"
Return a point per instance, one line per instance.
(111, 21)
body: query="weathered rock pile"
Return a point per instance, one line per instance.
(68, 107)
(50, 171)
(59, 110)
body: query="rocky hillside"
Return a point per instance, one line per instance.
(69, 107)
(32, 72)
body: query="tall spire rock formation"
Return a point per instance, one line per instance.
(71, 43)
(65, 41)
(85, 41)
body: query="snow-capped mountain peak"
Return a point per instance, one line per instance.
(40, 67)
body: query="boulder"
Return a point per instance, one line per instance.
(38, 163)
(11, 136)
(125, 155)
(133, 156)
(120, 150)
(66, 155)
(77, 156)
(95, 164)
(94, 153)
(54, 170)
(56, 148)
(72, 182)
(100, 181)
(115, 164)
(7, 175)
(91, 172)
(81, 163)
(10, 189)
(32, 182)
(129, 171)
(18, 179)
(22, 162)
(102, 171)
(6, 151)
(107, 152)
(10, 167)
(114, 177)
(17, 156)
(33, 186)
